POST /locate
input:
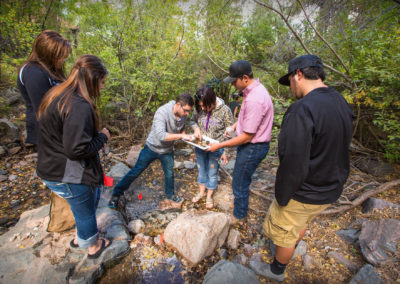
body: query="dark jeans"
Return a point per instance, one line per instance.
(248, 157)
(147, 156)
(83, 200)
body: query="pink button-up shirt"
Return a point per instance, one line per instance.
(256, 114)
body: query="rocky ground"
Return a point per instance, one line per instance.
(336, 245)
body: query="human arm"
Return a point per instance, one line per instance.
(224, 159)
(238, 140)
(294, 155)
(235, 111)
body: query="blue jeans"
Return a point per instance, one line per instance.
(147, 156)
(248, 157)
(83, 200)
(207, 165)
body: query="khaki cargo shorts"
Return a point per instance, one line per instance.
(284, 224)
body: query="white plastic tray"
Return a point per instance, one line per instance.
(205, 138)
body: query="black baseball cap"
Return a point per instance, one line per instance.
(299, 63)
(238, 69)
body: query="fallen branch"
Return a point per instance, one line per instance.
(359, 200)
(258, 210)
(261, 195)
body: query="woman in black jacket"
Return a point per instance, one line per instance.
(41, 71)
(69, 141)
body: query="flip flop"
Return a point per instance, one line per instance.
(102, 248)
(72, 244)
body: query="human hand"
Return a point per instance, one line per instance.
(213, 147)
(197, 133)
(187, 137)
(224, 159)
(106, 132)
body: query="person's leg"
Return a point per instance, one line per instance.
(202, 177)
(146, 156)
(167, 163)
(213, 166)
(248, 158)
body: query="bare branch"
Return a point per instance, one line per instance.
(297, 36)
(323, 39)
(359, 200)
(217, 64)
(261, 195)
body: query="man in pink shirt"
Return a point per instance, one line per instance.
(253, 132)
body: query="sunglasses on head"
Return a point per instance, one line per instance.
(199, 96)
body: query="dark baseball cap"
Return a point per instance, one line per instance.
(299, 63)
(238, 69)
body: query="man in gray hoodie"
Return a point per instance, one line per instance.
(168, 126)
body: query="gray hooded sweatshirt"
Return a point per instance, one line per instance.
(164, 122)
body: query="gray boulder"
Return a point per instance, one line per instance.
(29, 254)
(226, 272)
(118, 171)
(349, 235)
(9, 133)
(377, 237)
(374, 203)
(366, 275)
(340, 258)
(374, 167)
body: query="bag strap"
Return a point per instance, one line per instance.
(20, 75)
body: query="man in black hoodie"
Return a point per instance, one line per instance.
(314, 160)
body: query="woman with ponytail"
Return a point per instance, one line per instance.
(68, 145)
(43, 69)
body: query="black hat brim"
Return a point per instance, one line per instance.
(229, 80)
(284, 80)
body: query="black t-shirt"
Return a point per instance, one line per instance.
(314, 148)
(232, 106)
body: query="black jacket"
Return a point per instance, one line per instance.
(314, 148)
(69, 144)
(33, 83)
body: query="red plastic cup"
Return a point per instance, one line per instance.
(108, 181)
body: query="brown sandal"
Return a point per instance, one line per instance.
(197, 197)
(209, 203)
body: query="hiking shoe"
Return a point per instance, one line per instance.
(264, 269)
(113, 203)
(175, 198)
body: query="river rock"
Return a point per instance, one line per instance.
(196, 234)
(189, 165)
(14, 150)
(3, 178)
(178, 165)
(223, 197)
(240, 258)
(155, 221)
(37, 256)
(3, 151)
(366, 275)
(377, 237)
(136, 226)
(183, 152)
(118, 171)
(8, 132)
(349, 235)
(230, 165)
(340, 258)
(233, 239)
(374, 167)
(133, 155)
(226, 271)
(374, 203)
(307, 262)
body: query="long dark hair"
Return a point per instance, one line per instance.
(84, 80)
(49, 51)
(207, 96)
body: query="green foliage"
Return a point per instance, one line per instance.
(155, 50)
